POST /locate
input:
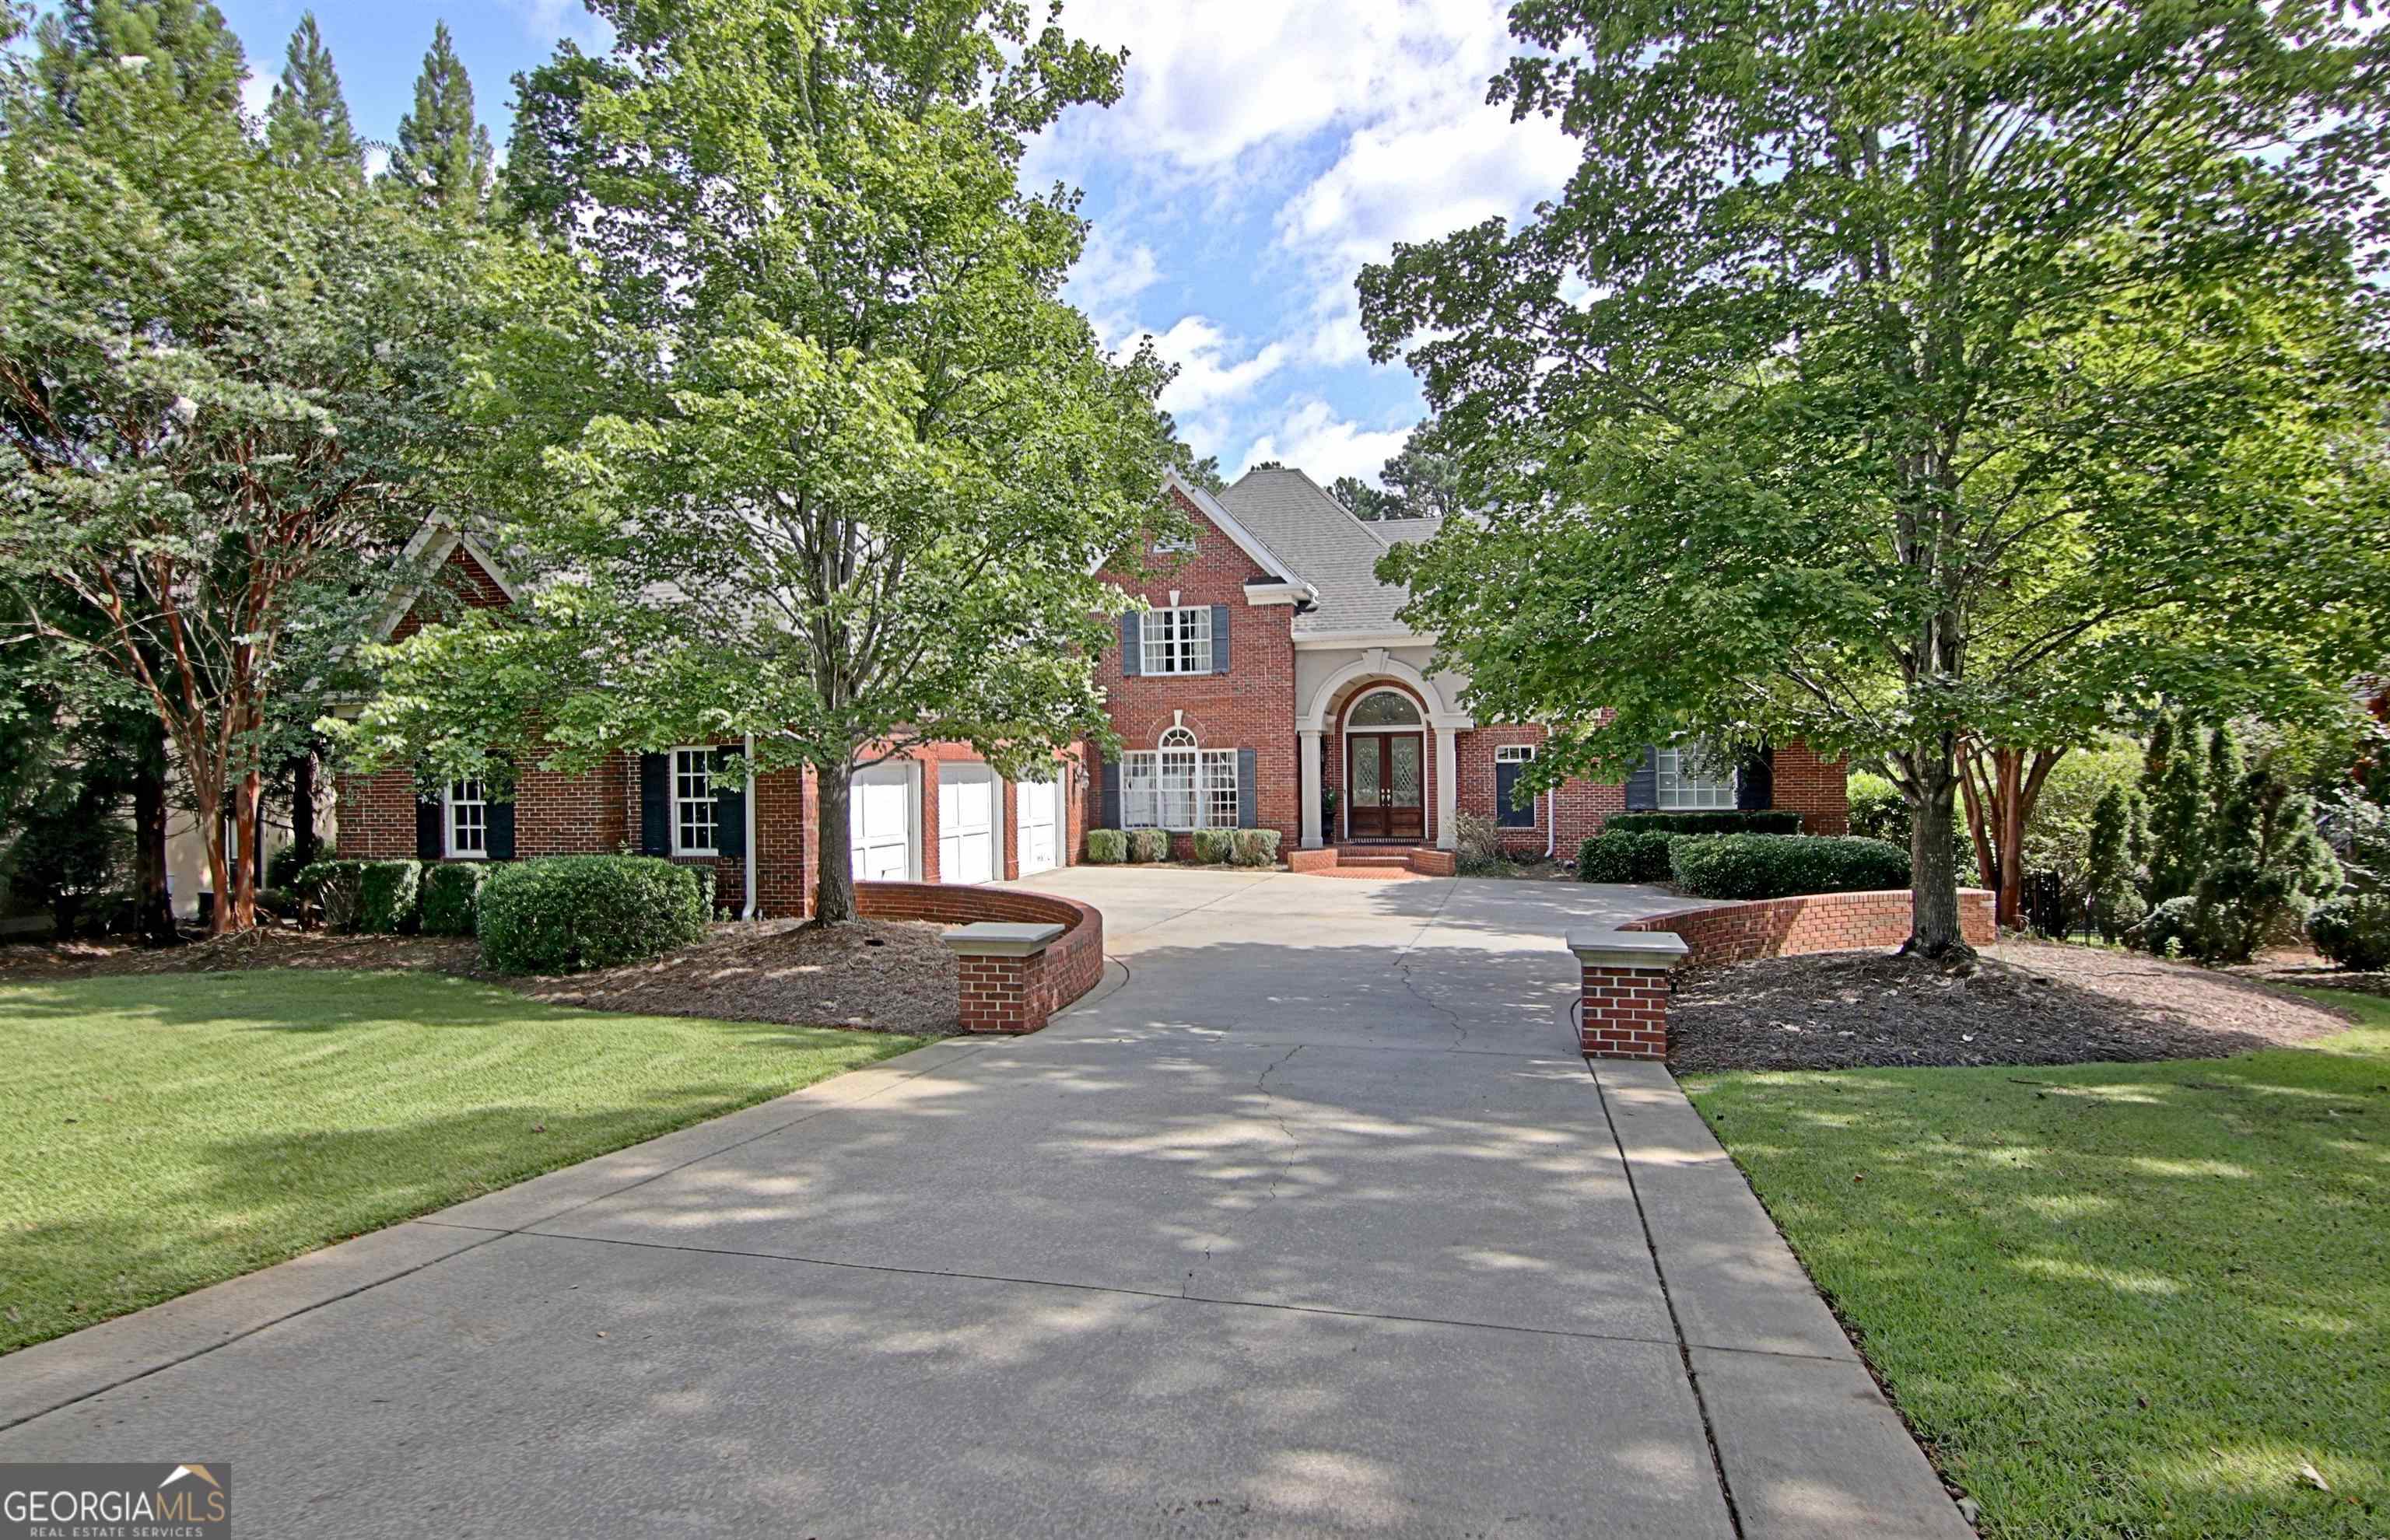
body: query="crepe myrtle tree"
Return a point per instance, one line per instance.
(1917, 381)
(801, 445)
(223, 390)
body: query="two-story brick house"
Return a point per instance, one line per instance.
(1267, 685)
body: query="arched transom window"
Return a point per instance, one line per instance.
(1383, 708)
(1179, 784)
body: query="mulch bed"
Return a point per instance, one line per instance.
(2306, 968)
(2019, 1004)
(877, 975)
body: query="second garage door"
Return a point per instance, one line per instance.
(967, 805)
(880, 823)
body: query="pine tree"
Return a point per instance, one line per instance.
(307, 123)
(2109, 891)
(2179, 810)
(2268, 864)
(443, 154)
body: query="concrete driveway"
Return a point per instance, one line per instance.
(1310, 1222)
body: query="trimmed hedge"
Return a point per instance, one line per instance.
(1779, 865)
(449, 891)
(1765, 820)
(1255, 847)
(1216, 847)
(1107, 847)
(381, 897)
(2353, 931)
(1623, 855)
(1148, 844)
(562, 913)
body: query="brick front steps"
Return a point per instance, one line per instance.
(1372, 861)
(1624, 1010)
(1023, 955)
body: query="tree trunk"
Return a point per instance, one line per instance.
(834, 876)
(248, 803)
(303, 809)
(1934, 929)
(2002, 787)
(153, 904)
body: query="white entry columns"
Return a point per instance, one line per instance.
(1310, 779)
(1447, 785)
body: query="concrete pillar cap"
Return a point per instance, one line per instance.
(991, 938)
(1653, 949)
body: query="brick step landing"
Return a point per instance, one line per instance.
(1372, 861)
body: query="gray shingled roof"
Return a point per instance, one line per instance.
(1326, 546)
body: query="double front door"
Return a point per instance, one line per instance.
(1385, 781)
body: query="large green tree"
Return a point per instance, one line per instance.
(798, 440)
(444, 152)
(223, 394)
(307, 122)
(1900, 376)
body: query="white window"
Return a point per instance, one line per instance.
(1691, 779)
(1514, 753)
(1177, 640)
(467, 821)
(1178, 785)
(692, 802)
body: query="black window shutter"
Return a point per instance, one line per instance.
(1754, 786)
(1644, 785)
(729, 808)
(1507, 813)
(1220, 643)
(1110, 810)
(502, 831)
(655, 804)
(1248, 814)
(1132, 647)
(431, 839)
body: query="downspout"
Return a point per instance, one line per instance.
(754, 856)
(1551, 823)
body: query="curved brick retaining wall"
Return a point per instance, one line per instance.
(1811, 923)
(1624, 1010)
(1003, 992)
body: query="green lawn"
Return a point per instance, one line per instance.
(2114, 1299)
(158, 1134)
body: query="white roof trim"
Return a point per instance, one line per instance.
(428, 549)
(1321, 641)
(1263, 557)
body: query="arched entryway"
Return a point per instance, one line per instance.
(1384, 734)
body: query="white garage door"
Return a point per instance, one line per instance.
(966, 824)
(879, 824)
(1041, 838)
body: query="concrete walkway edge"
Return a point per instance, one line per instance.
(1807, 1445)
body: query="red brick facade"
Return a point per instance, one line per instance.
(1813, 922)
(1625, 1012)
(1003, 994)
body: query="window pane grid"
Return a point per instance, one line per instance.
(469, 819)
(693, 811)
(1178, 641)
(1178, 786)
(1687, 784)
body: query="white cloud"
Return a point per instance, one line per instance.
(1210, 372)
(1312, 439)
(546, 20)
(257, 93)
(1109, 276)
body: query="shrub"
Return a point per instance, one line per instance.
(282, 867)
(2171, 929)
(1879, 812)
(66, 857)
(562, 914)
(1624, 855)
(339, 887)
(1148, 844)
(1778, 866)
(1107, 847)
(1216, 847)
(390, 896)
(1763, 821)
(1256, 847)
(2353, 931)
(1477, 844)
(449, 891)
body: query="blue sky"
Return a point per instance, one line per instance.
(1263, 150)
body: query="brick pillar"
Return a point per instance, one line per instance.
(1004, 983)
(1624, 1007)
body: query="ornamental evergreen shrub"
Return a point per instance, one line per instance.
(1256, 847)
(1216, 847)
(1107, 847)
(390, 896)
(1624, 855)
(1148, 844)
(2353, 931)
(1764, 820)
(337, 887)
(562, 913)
(1779, 865)
(449, 891)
